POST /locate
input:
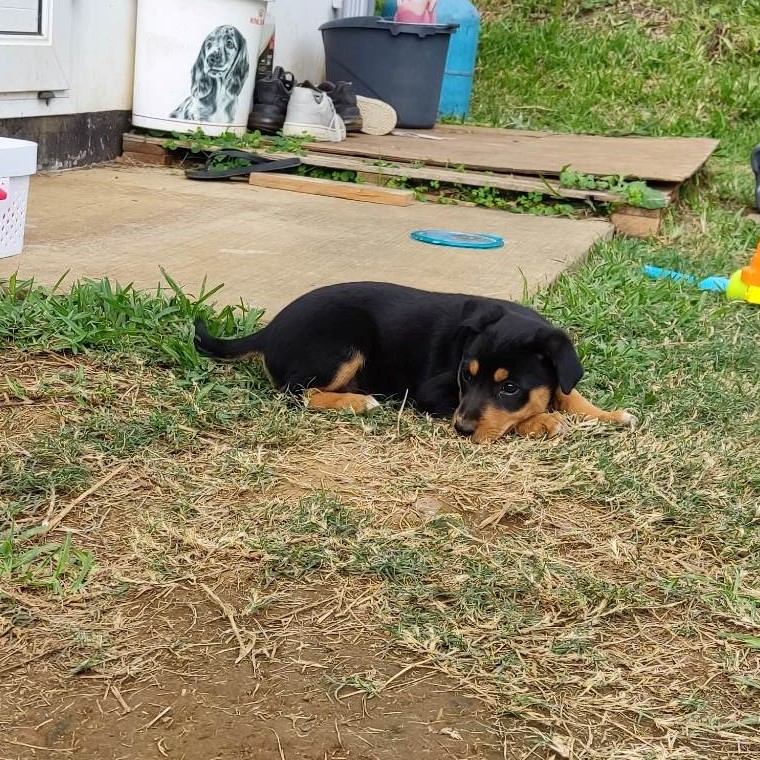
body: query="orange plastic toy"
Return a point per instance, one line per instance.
(744, 284)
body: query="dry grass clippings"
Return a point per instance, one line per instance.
(589, 615)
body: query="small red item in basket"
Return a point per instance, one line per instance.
(3, 194)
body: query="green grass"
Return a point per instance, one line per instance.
(226, 477)
(59, 568)
(107, 317)
(678, 67)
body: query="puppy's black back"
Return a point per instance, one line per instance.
(406, 336)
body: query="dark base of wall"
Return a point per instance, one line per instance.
(71, 139)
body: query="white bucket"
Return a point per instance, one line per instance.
(195, 64)
(18, 160)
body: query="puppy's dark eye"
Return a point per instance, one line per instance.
(509, 389)
(230, 43)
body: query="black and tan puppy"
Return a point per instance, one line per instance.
(492, 365)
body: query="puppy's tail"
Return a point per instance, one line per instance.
(227, 348)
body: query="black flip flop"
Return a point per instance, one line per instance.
(254, 163)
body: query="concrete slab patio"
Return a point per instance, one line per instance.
(269, 246)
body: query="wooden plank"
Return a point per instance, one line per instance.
(348, 190)
(130, 139)
(374, 172)
(626, 219)
(129, 156)
(637, 222)
(381, 170)
(663, 159)
(130, 145)
(511, 182)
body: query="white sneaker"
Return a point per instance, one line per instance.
(311, 112)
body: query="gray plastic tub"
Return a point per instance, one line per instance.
(401, 64)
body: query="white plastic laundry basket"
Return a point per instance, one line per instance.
(18, 161)
(195, 64)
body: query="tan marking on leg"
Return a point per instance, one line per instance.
(546, 424)
(346, 372)
(500, 375)
(474, 366)
(574, 403)
(334, 395)
(494, 421)
(356, 402)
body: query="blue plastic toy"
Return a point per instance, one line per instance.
(715, 283)
(458, 239)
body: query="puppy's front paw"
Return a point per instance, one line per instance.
(548, 424)
(355, 402)
(624, 418)
(370, 403)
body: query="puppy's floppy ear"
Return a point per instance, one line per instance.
(477, 315)
(559, 349)
(240, 68)
(200, 82)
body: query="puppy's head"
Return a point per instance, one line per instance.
(220, 49)
(512, 363)
(223, 57)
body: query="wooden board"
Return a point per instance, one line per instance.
(663, 159)
(626, 219)
(637, 222)
(512, 182)
(348, 190)
(381, 170)
(140, 157)
(153, 146)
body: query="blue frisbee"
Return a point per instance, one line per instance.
(458, 239)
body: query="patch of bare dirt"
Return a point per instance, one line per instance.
(299, 695)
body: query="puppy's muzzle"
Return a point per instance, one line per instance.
(464, 426)
(215, 60)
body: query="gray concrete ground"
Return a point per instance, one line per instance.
(269, 246)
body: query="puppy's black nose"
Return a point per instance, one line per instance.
(465, 427)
